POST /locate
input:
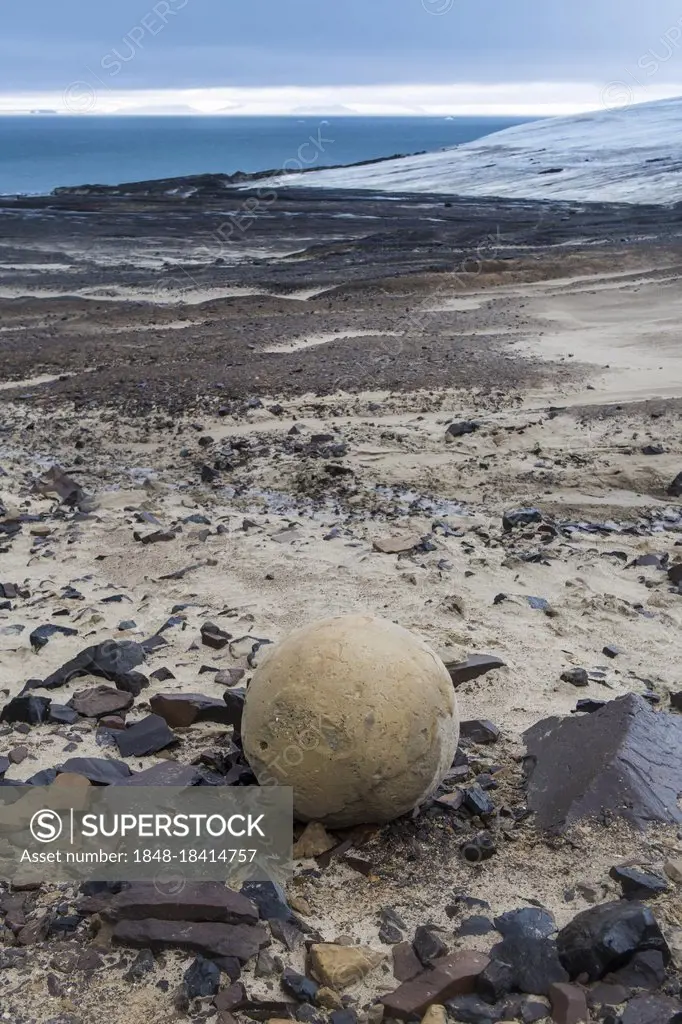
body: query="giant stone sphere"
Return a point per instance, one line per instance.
(357, 715)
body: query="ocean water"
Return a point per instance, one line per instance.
(39, 153)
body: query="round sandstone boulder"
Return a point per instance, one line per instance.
(357, 715)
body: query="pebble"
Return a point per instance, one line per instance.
(461, 429)
(575, 676)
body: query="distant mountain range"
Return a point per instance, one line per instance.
(631, 155)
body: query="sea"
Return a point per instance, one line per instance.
(41, 152)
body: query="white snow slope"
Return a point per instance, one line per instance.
(631, 155)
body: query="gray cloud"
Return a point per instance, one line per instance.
(193, 43)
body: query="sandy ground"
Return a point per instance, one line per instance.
(296, 543)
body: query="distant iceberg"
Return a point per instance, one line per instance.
(631, 155)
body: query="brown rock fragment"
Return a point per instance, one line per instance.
(230, 998)
(181, 710)
(397, 545)
(451, 976)
(569, 1004)
(101, 700)
(406, 963)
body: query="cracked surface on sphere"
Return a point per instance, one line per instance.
(357, 714)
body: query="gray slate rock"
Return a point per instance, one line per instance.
(111, 660)
(623, 758)
(652, 1010)
(145, 737)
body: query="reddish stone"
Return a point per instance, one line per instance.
(112, 722)
(231, 998)
(569, 1004)
(181, 710)
(406, 963)
(450, 976)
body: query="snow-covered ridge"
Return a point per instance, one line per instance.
(631, 155)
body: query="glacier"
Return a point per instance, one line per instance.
(631, 155)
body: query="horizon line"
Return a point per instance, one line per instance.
(92, 97)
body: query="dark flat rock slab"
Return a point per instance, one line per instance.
(100, 701)
(62, 714)
(145, 737)
(166, 773)
(41, 636)
(638, 885)
(97, 769)
(623, 758)
(242, 941)
(198, 902)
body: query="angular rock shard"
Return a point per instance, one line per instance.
(569, 1004)
(479, 730)
(476, 665)
(461, 428)
(623, 759)
(145, 737)
(109, 660)
(40, 636)
(181, 710)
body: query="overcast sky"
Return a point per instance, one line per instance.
(222, 52)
